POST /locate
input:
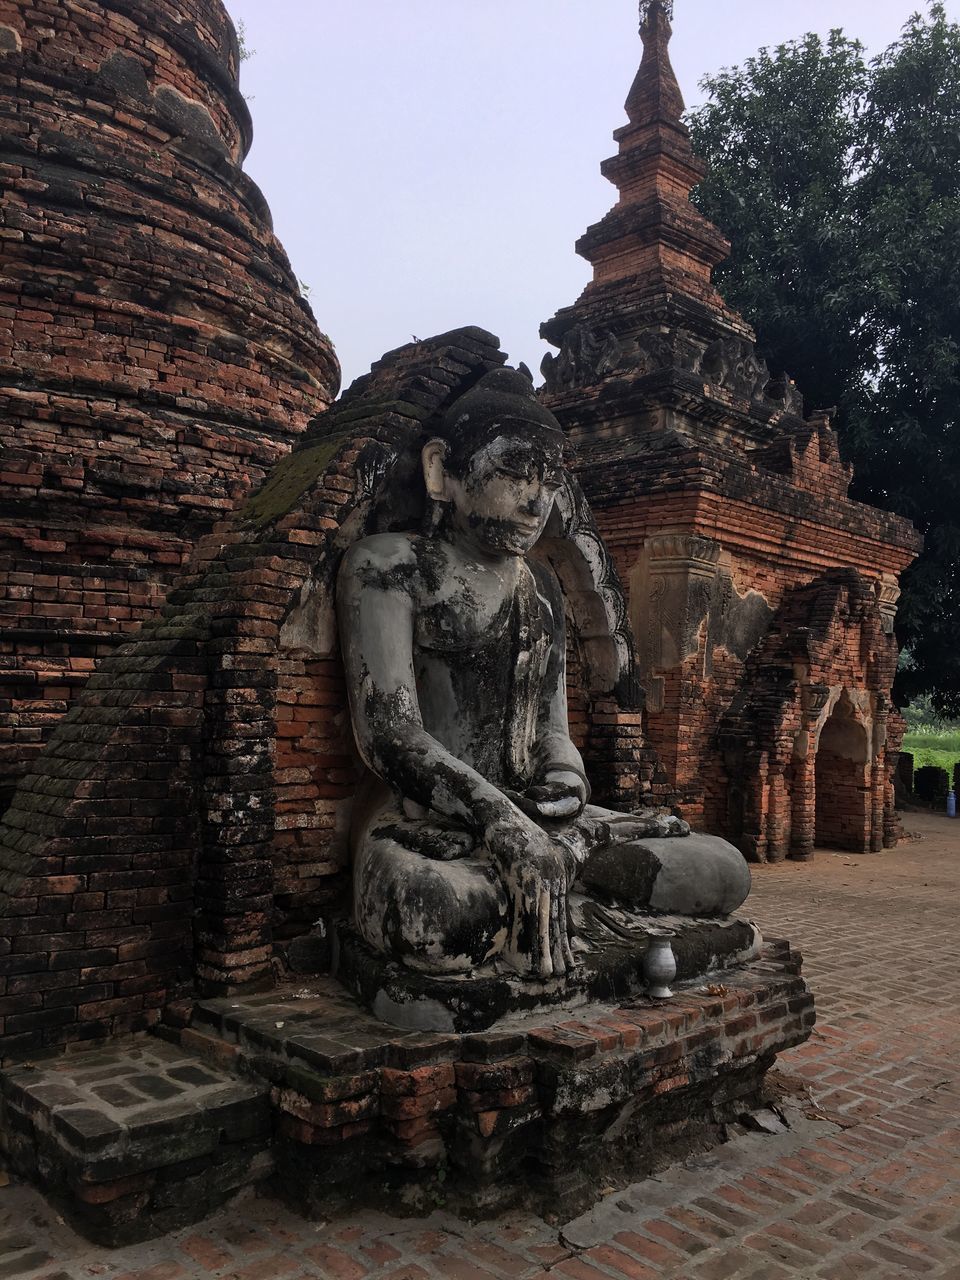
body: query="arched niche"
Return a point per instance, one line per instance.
(842, 776)
(595, 603)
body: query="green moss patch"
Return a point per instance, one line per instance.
(289, 481)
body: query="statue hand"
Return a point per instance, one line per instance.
(562, 794)
(533, 870)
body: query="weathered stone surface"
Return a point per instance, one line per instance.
(623, 1085)
(136, 1139)
(99, 868)
(611, 941)
(370, 1113)
(472, 823)
(697, 875)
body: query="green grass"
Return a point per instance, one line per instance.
(941, 749)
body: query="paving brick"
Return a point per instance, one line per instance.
(499, 1259)
(619, 1263)
(649, 1250)
(379, 1252)
(336, 1263)
(578, 1269)
(206, 1253)
(273, 1265)
(461, 1268)
(723, 1266)
(675, 1236)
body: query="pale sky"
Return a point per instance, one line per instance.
(430, 163)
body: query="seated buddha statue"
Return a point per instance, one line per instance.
(474, 822)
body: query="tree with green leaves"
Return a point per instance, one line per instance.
(838, 183)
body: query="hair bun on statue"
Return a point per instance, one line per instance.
(502, 401)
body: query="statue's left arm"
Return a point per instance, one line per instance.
(559, 771)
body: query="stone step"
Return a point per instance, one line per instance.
(135, 1139)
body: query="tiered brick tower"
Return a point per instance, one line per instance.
(761, 596)
(156, 357)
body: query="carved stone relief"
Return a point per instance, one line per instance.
(586, 356)
(671, 595)
(678, 586)
(589, 355)
(888, 595)
(732, 364)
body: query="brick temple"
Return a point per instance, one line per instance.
(181, 835)
(762, 597)
(156, 357)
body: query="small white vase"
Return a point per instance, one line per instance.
(660, 964)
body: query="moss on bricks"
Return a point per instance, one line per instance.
(289, 480)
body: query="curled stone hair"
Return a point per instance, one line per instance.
(503, 400)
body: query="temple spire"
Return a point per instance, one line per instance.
(655, 94)
(653, 249)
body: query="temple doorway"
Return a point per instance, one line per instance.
(843, 782)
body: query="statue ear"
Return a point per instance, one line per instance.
(434, 456)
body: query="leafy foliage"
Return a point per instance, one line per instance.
(922, 720)
(245, 51)
(838, 182)
(942, 752)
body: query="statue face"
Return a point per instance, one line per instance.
(501, 501)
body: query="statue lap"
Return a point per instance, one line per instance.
(446, 912)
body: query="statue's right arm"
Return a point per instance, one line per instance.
(377, 601)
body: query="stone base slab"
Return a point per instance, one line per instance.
(536, 1110)
(135, 1139)
(610, 969)
(304, 1091)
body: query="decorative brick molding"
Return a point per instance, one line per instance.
(815, 707)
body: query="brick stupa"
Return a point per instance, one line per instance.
(156, 357)
(761, 596)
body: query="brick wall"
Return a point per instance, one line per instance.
(810, 747)
(156, 358)
(188, 817)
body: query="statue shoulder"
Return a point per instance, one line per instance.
(383, 561)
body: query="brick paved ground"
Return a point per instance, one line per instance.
(865, 1184)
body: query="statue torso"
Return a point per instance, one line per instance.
(482, 636)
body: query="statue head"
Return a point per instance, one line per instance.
(496, 465)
